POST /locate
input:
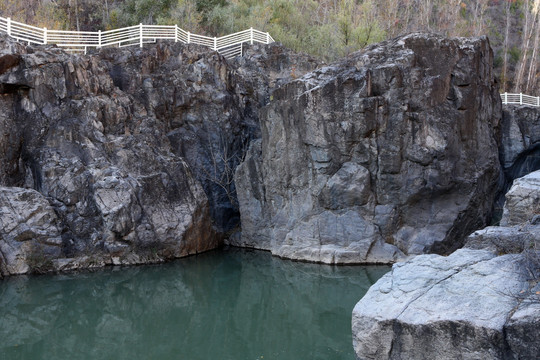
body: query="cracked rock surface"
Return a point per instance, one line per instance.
(520, 224)
(520, 140)
(388, 153)
(522, 200)
(124, 156)
(29, 230)
(472, 304)
(469, 305)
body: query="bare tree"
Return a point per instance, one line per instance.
(223, 163)
(533, 63)
(507, 9)
(478, 10)
(527, 34)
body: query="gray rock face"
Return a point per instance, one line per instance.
(519, 148)
(469, 305)
(522, 200)
(29, 231)
(520, 140)
(131, 151)
(389, 153)
(520, 225)
(103, 164)
(505, 239)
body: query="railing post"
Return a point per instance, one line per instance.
(520, 98)
(251, 35)
(188, 37)
(99, 38)
(175, 33)
(140, 35)
(505, 97)
(267, 38)
(538, 101)
(44, 36)
(215, 44)
(9, 26)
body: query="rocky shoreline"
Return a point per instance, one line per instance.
(398, 152)
(125, 156)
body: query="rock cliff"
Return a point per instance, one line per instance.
(519, 149)
(124, 156)
(391, 152)
(520, 141)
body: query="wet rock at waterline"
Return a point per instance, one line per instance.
(469, 305)
(388, 153)
(128, 153)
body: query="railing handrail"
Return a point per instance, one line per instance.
(520, 99)
(131, 35)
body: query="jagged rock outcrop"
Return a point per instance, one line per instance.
(520, 224)
(520, 140)
(469, 305)
(388, 153)
(506, 239)
(519, 149)
(30, 231)
(101, 161)
(132, 150)
(522, 200)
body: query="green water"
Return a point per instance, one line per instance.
(231, 304)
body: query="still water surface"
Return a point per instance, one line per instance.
(232, 304)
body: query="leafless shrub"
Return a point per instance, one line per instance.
(223, 163)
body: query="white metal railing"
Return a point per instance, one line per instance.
(520, 99)
(79, 41)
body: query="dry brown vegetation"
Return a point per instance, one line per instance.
(324, 28)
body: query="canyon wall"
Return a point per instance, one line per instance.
(388, 153)
(124, 156)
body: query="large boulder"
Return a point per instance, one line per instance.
(469, 305)
(522, 200)
(519, 228)
(388, 153)
(472, 304)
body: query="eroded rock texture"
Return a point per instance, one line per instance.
(520, 224)
(522, 200)
(127, 155)
(520, 140)
(469, 305)
(388, 153)
(472, 304)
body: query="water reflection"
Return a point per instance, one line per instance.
(233, 304)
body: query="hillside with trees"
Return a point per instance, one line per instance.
(327, 29)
